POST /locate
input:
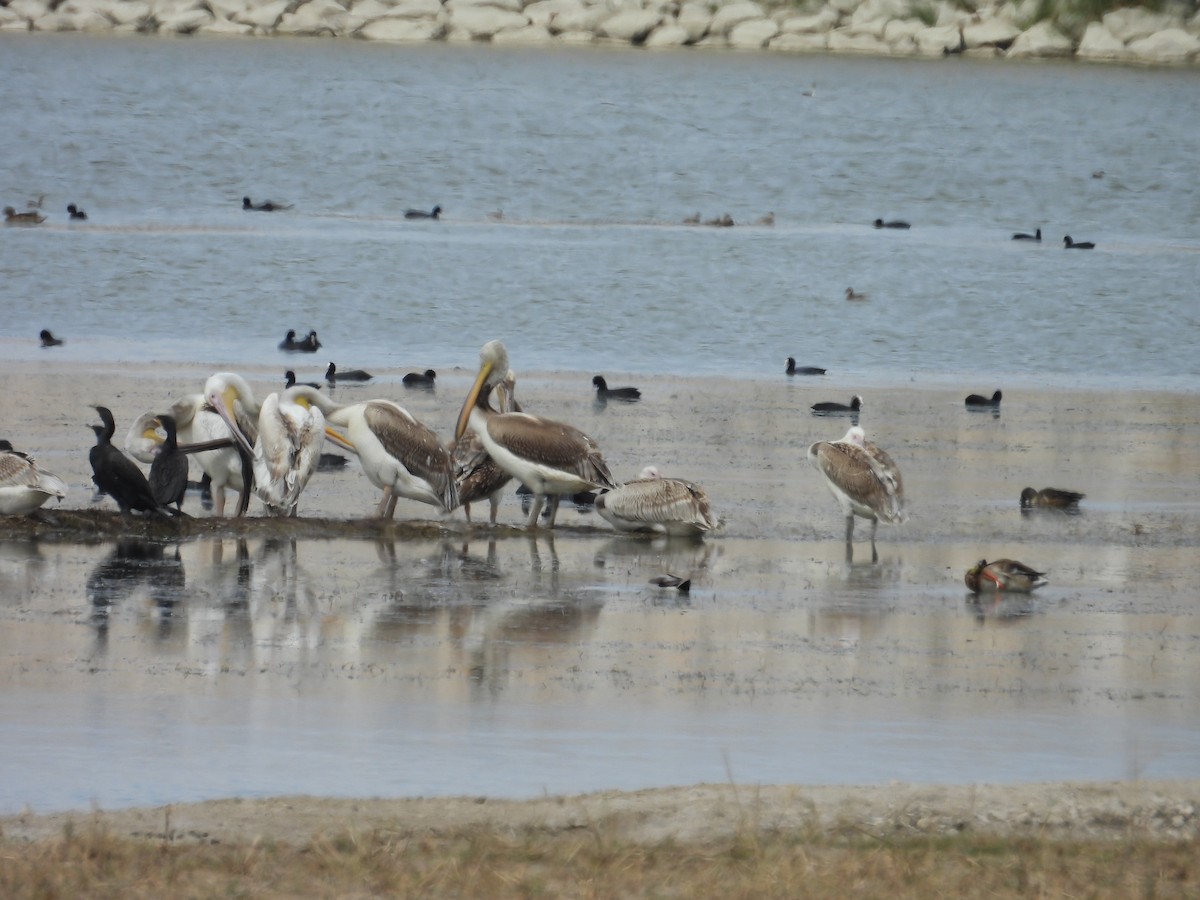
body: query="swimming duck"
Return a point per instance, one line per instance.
(76, 213)
(978, 401)
(838, 409)
(265, 206)
(420, 379)
(692, 219)
(1049, 498)
(333, 374)
(852, 294)
(1004, 575)
(604, 392)
(49, 340)
(1069, 244)
(12, 217)
(768, 219)
(895, 223)
(793, 369)
(725, 221)
(435, 213)
(289, 380)
(1022, 236)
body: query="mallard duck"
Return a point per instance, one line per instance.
(604, 392)
(12, 217)
(1003, 575)
(793, 369)
(1049, 498)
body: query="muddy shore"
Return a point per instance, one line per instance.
(1118, 628)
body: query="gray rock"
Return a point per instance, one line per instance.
(842, 41)
(586, 18)
(669, 35)
(752, 34)
(1171, 46)
(530, 34)
(821, 23)
(1099, 44)
(792, 42)
(695, 19)
(1136, 22)
(402, 30)
(630, 25)
(1042, 41)
(990, 33)
(731, 14)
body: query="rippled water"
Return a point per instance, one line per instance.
(594, 157)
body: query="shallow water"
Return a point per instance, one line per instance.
(594, 157)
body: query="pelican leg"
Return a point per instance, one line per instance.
(874, 552)
(535, 510)
(495, 504)
(849, 528)
(554, 501)
(387, 494)
(219, 502)
(467, 512)
(391, 510)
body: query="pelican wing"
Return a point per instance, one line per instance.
(554, 445)
(672, 503)
(868, 479)
(414, 445)
(287, 451)
(17, 469)
(476, 474)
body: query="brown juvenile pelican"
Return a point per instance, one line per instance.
(48, 339)
(476, 475)
(663, 505)
(12, 217)
(420, 379)
(1069, 244)
(829, 408)
(1004, 575)
(169, 471)
(604, 392)
(115, 474)
(265, 206)
(334, 374)
(24, 485)
(793, 369)
(548, 457)
(978, 401)
(864, 480)
(434, 213)
(1049, 498)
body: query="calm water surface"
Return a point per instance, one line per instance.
(594, 158)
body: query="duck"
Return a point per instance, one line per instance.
(333, 374)
(828, 408)
(310, 344)
(894, 223)
(435, 213)
(1004, 575)
(604, 392)
(289, 380)
(24, 485)
(420, 379)
(978, 401)
(1022, 236)
(76, 213)
(49, 340)
(724, 221)
(768, 219)
(12, 217)
(265, 206)
(1069, 244)
(692, 219)
(852, 294)
(793, 369)
(1050, 498)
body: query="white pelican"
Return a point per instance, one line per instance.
(291, 432)
(864, 480)
(663, 505)
(145, 438)
(476, 474)
(199, 422)
(548, 457)
(24, 485)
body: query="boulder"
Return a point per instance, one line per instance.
(12, 21)
(484, 22)
(586, 18)
(530, 34)
(821, 23)
(844, 7)
(543, 12)
(187, 21)
(669, 35)
(1136, 22)
(370, 9)
(905, 30)
(417, 9)
(577, 37)
(726, 17)
(28, 9)
(990, 33)
(1042, 41)
(263, 17)
(630, 25)
(791, 42)
(934, 41)
(752, 34)
(226, 28)
(510, 5)
(695, 19)
(315, 17)
(130, 12)
(1171, 46)
(842, 41)
(1099, 44)
(402, 30)
(873, 28)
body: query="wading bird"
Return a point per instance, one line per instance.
(169, 471)
(115, 474)
(656, 504)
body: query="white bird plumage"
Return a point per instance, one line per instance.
(656, 504)
(24, 485)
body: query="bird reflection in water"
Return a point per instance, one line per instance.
(131, 565)
(1001, 607)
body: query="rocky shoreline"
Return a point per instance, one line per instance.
(1015, 29)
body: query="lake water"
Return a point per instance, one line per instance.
(521, 666)
(594, 158)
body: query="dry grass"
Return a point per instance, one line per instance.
(590, 863)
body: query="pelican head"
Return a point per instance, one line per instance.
(493, 369)
(221, 391)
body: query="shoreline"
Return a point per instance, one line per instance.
(1126, 36)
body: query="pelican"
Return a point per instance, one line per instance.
(864, 480)
(24, 485)
(115, 474)
(663, 505)
(547, 457)
(291, 432)
(476, 475)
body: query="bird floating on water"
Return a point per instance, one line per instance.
(1050, 498)
(308, 344)
(852, 294)
(265, 206)
(863, 479)
(1022, 236)
(978, 401)
(24, 485)
(435, 213)
(424, 379)
(48, 339)
(333, 373)
(604, 392)
(660, 505)
(722, 221)
(1004, 575)
(12, 217)
(1069, 244)
(830, 408)
(76, 213)
(793, 369)
(894, 223)
(289, 380)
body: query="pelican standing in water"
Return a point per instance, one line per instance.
(476, 475)
(663, 505)
(864, 480)
(25, 486)
(548, 457)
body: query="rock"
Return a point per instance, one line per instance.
(630, 25)
(226, 28)
(905, 30)
(844, 7)
(990, 33)
(1134, 23)
(1042, 41)
(543, 12)
(316, 17)
(1171, 46)
(586, 18)
(799, 43)
(530, 34)
(821, 23)
(726, 17)
(12, 21)
(577, 37)
(417, 9)
(934, 41)
(28, 9)
(1099, 44)
(402, 30)
(186, 21)
(841, 41)
(695, 19)
(872, 28)
(484, 22)
(510, 5)
(264, 17)
(752, 34)
(669, 35)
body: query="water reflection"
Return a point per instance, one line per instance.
(1000, 607)
(21, 566)
(131, 565)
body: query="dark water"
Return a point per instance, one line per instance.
(594, 158)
